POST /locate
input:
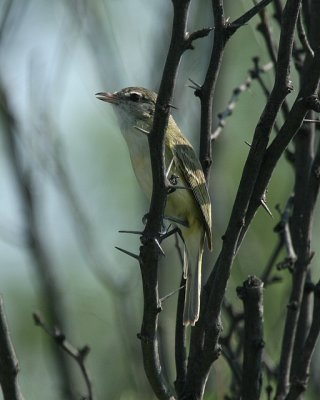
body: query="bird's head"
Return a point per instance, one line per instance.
(132, 105)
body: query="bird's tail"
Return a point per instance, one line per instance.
(192, 273)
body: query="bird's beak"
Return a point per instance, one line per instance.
(108, 97)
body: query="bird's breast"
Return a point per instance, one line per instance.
(181, 203)
(138, 147)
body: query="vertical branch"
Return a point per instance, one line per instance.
(265, 29)
(219, 276)
(301, 237)
(301, 224)
(251, 293)
(149, 251)
(305, 319)
(300, 380)
(206, 92)
(202, 357)
(195, 378)
(9, 366)
(222, 33)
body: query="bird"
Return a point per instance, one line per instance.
(189, 207)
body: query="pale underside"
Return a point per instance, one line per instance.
(192, 205)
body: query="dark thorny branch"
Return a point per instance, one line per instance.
(78, 354)
(149, 251)
(214, 289)
(222, 32)
(283, 228)
(297, 320)
(9, 366)
(251, 293)
(301, 376)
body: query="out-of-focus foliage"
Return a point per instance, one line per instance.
(54, 57)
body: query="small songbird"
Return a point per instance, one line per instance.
(191, 206)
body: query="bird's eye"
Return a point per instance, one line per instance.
(134, 96)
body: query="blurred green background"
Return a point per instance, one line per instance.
(54, 57)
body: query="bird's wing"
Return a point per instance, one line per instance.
(193, 175)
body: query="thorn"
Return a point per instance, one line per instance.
(172, 106)
(141, 130)
(145, 218)
(316, 121)
(133, 232)
(177, 221)
(169, 233)
(264, 205)
(247, 143)
(177, 230)
(164, 298)
(196, 85)
(135, 256)
(159, 246)
(36, 318)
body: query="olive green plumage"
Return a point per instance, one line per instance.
(135, 107)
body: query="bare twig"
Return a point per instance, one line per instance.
(283, 228)
(253, 74)
(206, 91)
(222, 33)
(300, 381)
(191, 37)
(251, 293)
(303, 37)
(78, 354)
(266, 31)
(304, 323)
(245, 18)
(9, 366)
